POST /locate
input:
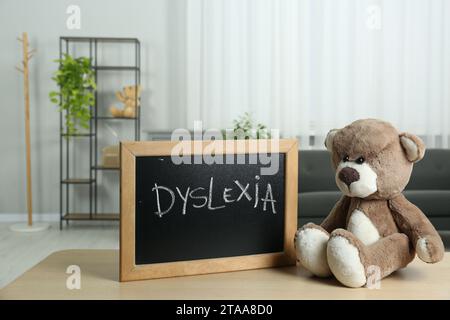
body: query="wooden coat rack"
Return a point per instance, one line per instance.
(27, 55)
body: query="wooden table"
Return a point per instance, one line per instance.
(99, 274)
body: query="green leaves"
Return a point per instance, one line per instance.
(245, 128)
(76, 80)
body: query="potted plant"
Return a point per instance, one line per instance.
(244, 127)
(76, 80)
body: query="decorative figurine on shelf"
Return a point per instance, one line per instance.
(130, 97)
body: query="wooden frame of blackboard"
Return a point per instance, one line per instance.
(129, 271)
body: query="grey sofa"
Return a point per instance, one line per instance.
(428, 188)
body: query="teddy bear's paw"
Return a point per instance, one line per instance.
(422, 250)
(345, 262)
(430, 250)
(311, 250)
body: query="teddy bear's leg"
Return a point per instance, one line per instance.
(390, 253)
(351, 261)
(345, 257)
(311, 248)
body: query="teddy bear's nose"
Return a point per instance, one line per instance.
(348, 175)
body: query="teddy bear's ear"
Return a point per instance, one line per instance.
(413, 146)
(329, 139)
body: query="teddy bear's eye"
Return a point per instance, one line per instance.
(360, 160)
(345, 158)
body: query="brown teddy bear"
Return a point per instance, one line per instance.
(373, 225)
(129, 96)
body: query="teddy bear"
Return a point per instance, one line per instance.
(129, 96)
(373, 227)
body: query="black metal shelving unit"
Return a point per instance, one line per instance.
(66, 181)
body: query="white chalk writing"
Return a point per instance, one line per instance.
(199, 197)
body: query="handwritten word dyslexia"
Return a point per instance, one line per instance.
(199, 197)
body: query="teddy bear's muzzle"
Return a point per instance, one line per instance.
(348, 176)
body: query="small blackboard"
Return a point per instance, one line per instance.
(196, 217)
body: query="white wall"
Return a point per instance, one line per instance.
(289, 62)
(45, 22)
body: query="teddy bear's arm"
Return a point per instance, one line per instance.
(413, 222)
(120, 96)
(338, 215)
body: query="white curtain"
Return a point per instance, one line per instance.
(306, 66)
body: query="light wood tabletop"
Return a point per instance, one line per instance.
(100, 273)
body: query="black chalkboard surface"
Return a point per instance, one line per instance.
(200, 211)
(194, 217)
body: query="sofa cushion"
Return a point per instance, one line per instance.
(434, 203)
(317, 204)
(315, 171)
(429, 186)
(432, 172)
